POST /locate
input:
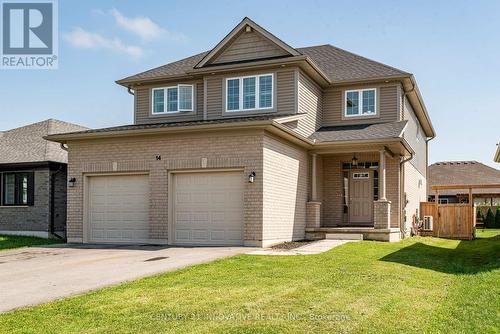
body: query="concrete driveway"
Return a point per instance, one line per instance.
(30, 276)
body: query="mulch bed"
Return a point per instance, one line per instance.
(290, 245)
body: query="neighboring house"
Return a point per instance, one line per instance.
(464, 173)
(33, 180)
(497, 154)
(253, 143)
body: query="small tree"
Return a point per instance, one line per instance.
(497, 218)
(489, 221)
(479, 215)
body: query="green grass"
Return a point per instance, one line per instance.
(14, 241)
(419, 285)
(487, 233)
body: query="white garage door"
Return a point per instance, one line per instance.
(208, 208)
(118, 209)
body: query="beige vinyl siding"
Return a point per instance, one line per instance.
(143, 112)
(387, 104)
(310, 101)
(415, 189)
(284, 93)
(284, 191)
(412, 131)
(249, 46)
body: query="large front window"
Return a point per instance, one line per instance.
(16, 188)
(361, 102)
(173, 99)
(249, 93)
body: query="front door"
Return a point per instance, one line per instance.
(361, 197)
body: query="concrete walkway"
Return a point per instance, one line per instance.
(30, 276)
(315, 247)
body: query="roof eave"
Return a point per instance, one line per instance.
(379, 141)
(417, 101)
(370, 79)
(269, 125)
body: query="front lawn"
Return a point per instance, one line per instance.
(418, 285)
(14, 241)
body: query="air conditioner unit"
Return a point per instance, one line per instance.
(428, 223)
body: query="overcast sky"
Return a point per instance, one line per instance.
(452, 48)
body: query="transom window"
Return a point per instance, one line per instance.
(16, 188)
(249, 93)
(173, 99)
(361, 102)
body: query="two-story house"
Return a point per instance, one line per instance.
(253, 143)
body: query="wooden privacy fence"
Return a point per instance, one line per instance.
(455, 221)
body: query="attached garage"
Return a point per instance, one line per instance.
(207, 208)
(118, 209)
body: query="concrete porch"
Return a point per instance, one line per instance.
(369, 233)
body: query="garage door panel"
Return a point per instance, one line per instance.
(119, 208)
(208, 208)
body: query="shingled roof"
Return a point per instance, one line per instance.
(337, 64)
(462, 172)
(359, 132)
(26, 144)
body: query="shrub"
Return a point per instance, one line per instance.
(489, 221)
(479, 215)
(497, 218)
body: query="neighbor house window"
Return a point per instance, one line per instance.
(17, 188)
(249, 93)
(173, 99)
(361, 102)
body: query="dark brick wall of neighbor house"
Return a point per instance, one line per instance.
(37, 217)
(60, 199)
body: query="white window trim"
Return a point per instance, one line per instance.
(165, 100)
(360, 105)
(257, 93)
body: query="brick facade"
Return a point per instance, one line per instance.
(280, 167)
(35, 219)
(332, 184)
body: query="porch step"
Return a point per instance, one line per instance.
(344, 236)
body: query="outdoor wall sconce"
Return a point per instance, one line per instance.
(354, 161)
(71, 182)
(158, 157)
(251, 177)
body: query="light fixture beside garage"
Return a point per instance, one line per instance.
(71, 182)
(251, 177)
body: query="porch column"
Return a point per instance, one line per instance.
(314, 191)
(382, 207)
(381, 176)
(313, 207)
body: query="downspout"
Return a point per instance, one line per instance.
(52, 202)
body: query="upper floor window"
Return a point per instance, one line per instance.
(249, 93)
(173, 99)
(360, 102)
(17, 188)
